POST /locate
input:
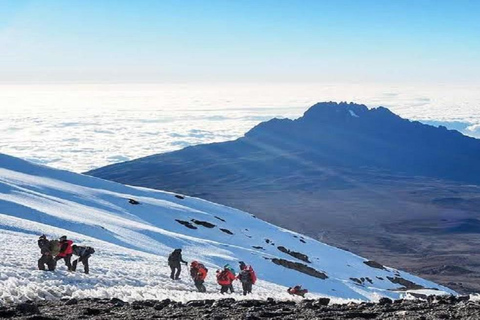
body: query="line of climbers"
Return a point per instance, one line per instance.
(54, 250)
(225, 277)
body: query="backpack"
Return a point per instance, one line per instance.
(248, 275)
(55, 247)
(253, 276)
(200, 268)
(174, 257)
(223, 276)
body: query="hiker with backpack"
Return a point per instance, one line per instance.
(225, 279)
(298, 291)
(198, 272)
(65, 252)
(174, 260)
(83, 253)
(47, 257)
(233, 272)
(247, 277)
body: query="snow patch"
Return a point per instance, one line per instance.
(353, 114)
(132, 244)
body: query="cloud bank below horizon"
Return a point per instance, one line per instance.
(81, 127)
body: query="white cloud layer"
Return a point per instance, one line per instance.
(81, 127)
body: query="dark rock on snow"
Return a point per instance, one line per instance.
(300, 267)
(203, 223)
(133, 201)
(186, 224)
(226, 231)
(298, 255)
(374, 264)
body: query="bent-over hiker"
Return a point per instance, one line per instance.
(47, 257)
(83, 253)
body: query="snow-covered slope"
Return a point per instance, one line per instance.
(133, 241)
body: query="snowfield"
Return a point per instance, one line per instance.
(132, 243)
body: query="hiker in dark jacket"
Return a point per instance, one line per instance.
(83, 253)
(247, 277)
(46, 258)
(65, 252)
(174, 260)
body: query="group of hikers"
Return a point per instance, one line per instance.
(225, 277)
(62, 249)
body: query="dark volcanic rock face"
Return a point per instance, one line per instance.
(445, 308)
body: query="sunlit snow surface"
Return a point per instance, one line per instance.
(81, 127)
(133, 242)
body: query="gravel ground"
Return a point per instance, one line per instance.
(433, 308)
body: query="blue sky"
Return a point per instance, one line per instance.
(337, 41)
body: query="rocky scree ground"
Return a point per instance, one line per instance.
(447, 307)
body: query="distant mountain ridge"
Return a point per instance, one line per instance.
(333, 134)
(363, 179)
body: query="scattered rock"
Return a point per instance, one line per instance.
(203, 223)
(179, 196)
(361, 315)
(300, 267)
(162, 304)
(7, 313)
(71, 302)
(220, 219)
(117, 302)
(298, 255)
(28, 308)
(444, 307)
(186, 224)
(224, 302)
(407, 284)
(384, 301)
(92, 312)
(374, 264)
(249, 303)
(463, 298)
(226, 231)
(322, 301)
(200, 303)
(258, 247)
(133, 201)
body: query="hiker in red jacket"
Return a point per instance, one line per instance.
(198, 272)
(65, 252)
(225, 279)
(298, 291)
